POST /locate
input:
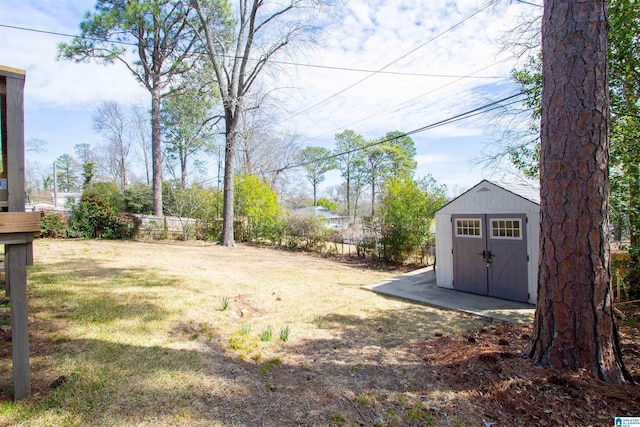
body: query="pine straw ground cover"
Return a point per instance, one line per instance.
(132, 333)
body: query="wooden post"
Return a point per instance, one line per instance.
(18, 244)
(19, 320)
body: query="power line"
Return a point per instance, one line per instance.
(402, 103)
(325, 67)
(529, 3)
(306, 110)
(398, 73)
(54, 33)
(458, 117)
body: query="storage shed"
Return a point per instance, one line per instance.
(487, 241)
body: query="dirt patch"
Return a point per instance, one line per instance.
(510, 390)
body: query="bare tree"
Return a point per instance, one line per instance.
(265, 152)
(36, 178)
(260, 28)
(514, 149)
(574, 324)
(37, 175)
(36, 145)
(84, 152)
(110, 121)
(141, 138)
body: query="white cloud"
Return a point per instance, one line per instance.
(434, 159)
(51, 83)
(366, 34)
(399, 27)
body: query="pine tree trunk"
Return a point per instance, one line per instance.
(156, 153)
(575, 326)
(183, 168)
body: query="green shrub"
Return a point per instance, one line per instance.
(53, 225)
(126, 226)
(623, 278)
(405, 215)
(110, 194)
(94, 218)
(633, 272)
(327, 204)
(91, 217)
(257, 204)
(138, 199)
(304, 231)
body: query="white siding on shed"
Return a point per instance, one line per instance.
(489, 198)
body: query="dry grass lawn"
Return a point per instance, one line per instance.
(136, 334)
(167, 334)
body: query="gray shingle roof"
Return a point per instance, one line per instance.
(527, 190)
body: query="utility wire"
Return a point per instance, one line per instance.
(529, 3)
(325, 67)
(397, 73)
(458, 117)
(306, 110)
(402, 103)
(54, 33)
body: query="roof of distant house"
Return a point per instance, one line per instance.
(317, 211)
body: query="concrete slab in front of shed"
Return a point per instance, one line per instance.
(420, 286)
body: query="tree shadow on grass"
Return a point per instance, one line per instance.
(359, 375)
(115, 383)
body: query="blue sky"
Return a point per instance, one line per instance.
(366, 35)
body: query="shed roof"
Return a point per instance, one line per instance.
(527, 191)
(523, 189)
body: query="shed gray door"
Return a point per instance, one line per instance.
(469, 244)
(507, 243)
(490, 255)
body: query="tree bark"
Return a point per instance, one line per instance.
(373, 193)
(574, 324)
(156, 152)
(227, 238)
(183, 167)
(315, 192)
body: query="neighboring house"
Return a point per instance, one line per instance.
(50, 202)
(65, 200)
(487, 241)
(333, 220)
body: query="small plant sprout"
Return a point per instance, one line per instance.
(284, 333)
(318, 321)
(267, 333)
(225, 302)
(245, 329)
(269, 365)
(363, 400)
(337, 417)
